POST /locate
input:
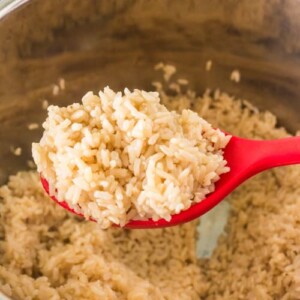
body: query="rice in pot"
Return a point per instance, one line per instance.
(47, 253)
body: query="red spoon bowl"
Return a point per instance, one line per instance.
(244, 157)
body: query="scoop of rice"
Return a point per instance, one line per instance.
(118, 157)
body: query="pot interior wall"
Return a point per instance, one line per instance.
(92, 44)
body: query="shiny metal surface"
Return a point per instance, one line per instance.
(7, 6)
(96, 43)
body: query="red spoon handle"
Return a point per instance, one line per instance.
(280, 152)
(253, 156)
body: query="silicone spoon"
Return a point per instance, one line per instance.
(245, 158)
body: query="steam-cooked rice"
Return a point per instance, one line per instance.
(46, 253)
(121, 156)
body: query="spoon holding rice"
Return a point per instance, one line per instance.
(244, 157)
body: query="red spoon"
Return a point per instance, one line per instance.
(245, 158)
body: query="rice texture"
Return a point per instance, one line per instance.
(48, 253)
(117, 157)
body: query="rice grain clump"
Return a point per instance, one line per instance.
(117, 157)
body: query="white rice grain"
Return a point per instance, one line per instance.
(55, 90)
(235, 76)
(208, 65)
(33, 126)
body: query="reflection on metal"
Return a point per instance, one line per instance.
(3, 297)
(210, 228)
(7, 6)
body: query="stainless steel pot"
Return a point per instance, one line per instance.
(94, 43)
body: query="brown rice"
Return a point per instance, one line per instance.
(117, 157)
(46, 253)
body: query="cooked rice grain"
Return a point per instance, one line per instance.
(126, 140)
